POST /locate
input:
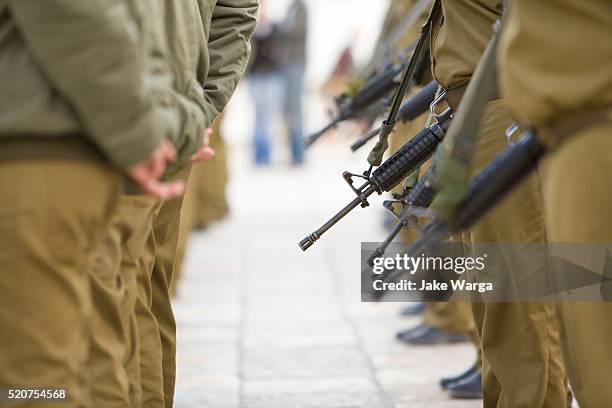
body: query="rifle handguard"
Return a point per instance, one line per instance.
(422, 194)
(407, 159)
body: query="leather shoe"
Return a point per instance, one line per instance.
(427, 335)
(445, 382)
(413, 309)
(468, 388)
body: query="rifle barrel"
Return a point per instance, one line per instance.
(308, 141)
(310, 239)
(365, 139)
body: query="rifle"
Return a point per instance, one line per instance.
(349, 107)
(486, 190)
(414, 202)
(410, 110)
(384, 85)
(390, 173)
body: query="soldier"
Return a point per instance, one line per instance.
(521, 368)
(77, 109)
(560, 84)
(227, 26)
(208, 49)
(443, 322)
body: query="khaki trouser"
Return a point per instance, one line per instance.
(449, 316)
(209, 180)
(187, 225)
(205, 200)
(135, 314)
(578, 201)
(522, 365)
(143, 210)
(115, 353)
(51, 215)
(150, 233)
(166, 234)
(114, 358)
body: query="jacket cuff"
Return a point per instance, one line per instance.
(136, 144)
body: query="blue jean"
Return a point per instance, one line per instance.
(265, 96)
(293, 75)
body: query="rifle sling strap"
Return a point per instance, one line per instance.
(375, 157)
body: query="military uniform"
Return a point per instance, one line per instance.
(61, 128)
(521, 368)
(114, 363)
(559, 83)
(208, 47)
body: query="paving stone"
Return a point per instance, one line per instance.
(305, 363)
(263, 325)
(349, 393)
(204, 398)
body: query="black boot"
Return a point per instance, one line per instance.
(468, 388)
(427, 335)
(445, 382)
(413, 309)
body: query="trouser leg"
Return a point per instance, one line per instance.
(110, 383)
(578, 202)
(449, 316)
(52, 213)
(166, 233)
(522, 364)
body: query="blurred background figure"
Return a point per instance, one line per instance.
(293, 35)
(265, 82)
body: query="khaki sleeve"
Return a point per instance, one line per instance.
(233, 23)
(89, 51)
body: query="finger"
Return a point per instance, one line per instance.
(138, 174)
(158, 164)
(203, 154)
(207, 134)
(164, 190)
(171, 189)
(208, 153)
(169, 150)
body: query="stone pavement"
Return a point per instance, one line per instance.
(263, 325)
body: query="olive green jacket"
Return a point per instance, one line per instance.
(209, 42)
(74, 85)
(87, 79)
